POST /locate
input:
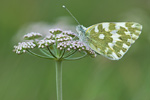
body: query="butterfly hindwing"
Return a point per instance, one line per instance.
(113, 40)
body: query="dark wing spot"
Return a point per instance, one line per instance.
(120, 38)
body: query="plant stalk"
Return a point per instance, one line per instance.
(59, 79)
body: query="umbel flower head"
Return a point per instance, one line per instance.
(58, 45)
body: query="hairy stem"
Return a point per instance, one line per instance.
(59, 79)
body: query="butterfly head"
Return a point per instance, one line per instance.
(81, 32)
(80, 29)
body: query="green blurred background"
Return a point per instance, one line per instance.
(26, 77)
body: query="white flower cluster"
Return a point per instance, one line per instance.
(49, 37)
(63, 37)
(75, 45)
(55, 31)
(32, 35)
(70, 33)
(62, 40)
(44, 43)
(22, 46)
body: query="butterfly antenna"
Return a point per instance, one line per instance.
(71, 14)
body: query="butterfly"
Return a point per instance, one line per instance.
(110, 39)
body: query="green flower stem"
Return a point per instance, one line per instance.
(62, 54)
(45, 53)
(59, 79)
(37, 55)
(51, 53)
(70, 54)
(76, 58)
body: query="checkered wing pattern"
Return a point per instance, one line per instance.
(113, 39)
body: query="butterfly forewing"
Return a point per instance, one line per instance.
(113, 40)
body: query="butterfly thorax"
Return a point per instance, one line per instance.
(81, 33)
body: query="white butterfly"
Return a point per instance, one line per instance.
(110, 39)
